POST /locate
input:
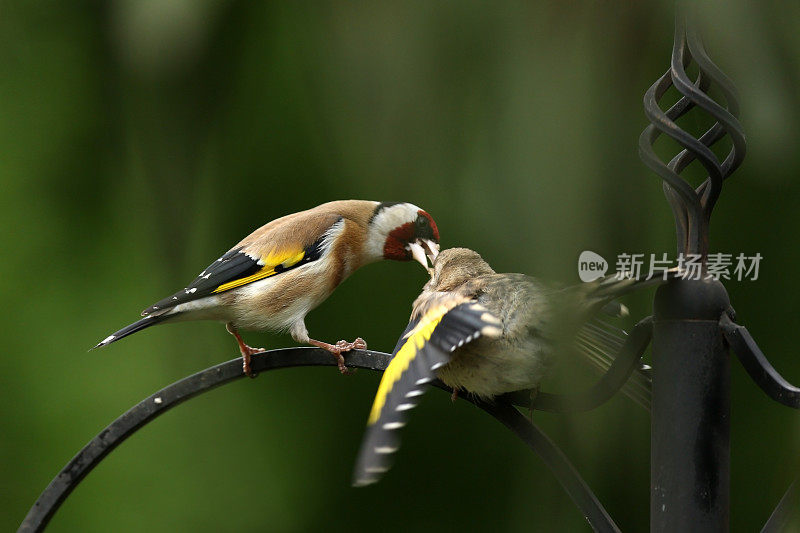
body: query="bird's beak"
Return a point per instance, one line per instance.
(431, 249)
(422, 250)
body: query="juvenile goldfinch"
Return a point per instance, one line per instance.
(273, 277)
(483, 333)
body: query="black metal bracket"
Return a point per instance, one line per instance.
(156, 404)
(757, 365)
(778, 389)
(623, 365)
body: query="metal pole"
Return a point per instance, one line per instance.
(690, 424)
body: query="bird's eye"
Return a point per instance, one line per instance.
(422, 221)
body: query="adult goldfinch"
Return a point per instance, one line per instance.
(484, 333)
(273, 277)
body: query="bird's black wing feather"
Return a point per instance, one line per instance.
(233, 265)
(426, 346)
(237, 268)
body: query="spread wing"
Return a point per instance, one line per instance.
(426, 346)
(275, 252)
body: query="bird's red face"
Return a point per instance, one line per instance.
(415, 239)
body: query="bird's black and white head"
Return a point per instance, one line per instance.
(401, 231)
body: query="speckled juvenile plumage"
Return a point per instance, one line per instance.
(519, 358)
(480, 332)
(273, 277)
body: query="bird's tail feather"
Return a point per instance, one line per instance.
(146, 322)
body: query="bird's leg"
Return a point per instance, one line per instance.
(338, 348)
(454, 394)
(246, 350)
(300, 334)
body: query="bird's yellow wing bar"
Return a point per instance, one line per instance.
(415, 340)
(427, 346)
(237, 268)
(274, 263)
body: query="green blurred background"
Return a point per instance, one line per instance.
(140, 139)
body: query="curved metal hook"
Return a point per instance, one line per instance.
(757, 365)
(616, 376)
(156, 404)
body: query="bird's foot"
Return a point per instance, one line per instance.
(454, 395)
(245, 350)
(358, 344)
(337, 349)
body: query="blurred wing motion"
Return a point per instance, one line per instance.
(601, 342)
(426, 346)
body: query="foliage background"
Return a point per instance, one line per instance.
(140, 139)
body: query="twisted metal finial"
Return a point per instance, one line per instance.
(692, 207)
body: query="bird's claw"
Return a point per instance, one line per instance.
(246, 355)
(358, 344)
(340, 363)
(246, 367)
(338, 348)
(344, 346)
